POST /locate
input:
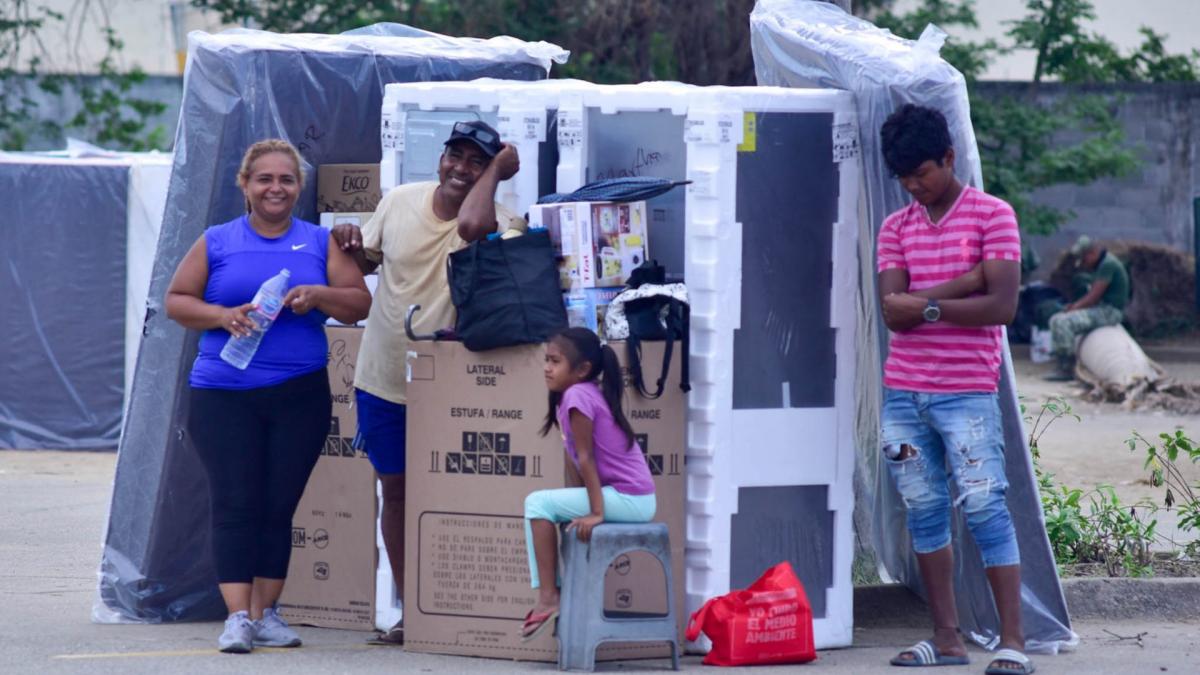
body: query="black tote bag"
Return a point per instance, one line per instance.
(506, 292)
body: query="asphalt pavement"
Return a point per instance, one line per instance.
(54, 506)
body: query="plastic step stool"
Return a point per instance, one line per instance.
(582, 625)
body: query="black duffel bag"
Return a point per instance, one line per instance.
(650, 309)
(506, 292)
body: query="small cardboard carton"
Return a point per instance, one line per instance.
(348, 187)
(474, 454)
(600, 243)
(596, 301)
(331, 576)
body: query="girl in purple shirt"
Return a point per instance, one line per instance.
(606, 467)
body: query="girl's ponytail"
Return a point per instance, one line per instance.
(551, 420)
(613, 387)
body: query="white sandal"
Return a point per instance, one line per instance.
(1011, 656)
(925, 654)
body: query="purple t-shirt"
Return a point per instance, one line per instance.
(619, 462)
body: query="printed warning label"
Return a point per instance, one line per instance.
(391, 131)
(473, 565)
(570, 127)
(845, 142)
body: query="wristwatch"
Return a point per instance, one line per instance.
(931, 312)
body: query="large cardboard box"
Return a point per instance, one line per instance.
(474, 453)
(331, 577)
(600, 243)
(348, 187)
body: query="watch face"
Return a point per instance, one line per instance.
(932, 313)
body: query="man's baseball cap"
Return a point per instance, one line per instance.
(479, 133)
(1081, 244)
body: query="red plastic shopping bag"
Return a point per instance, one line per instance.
(769, 622)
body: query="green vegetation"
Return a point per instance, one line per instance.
(1162, 462)
(110, 114)
(1093, 526)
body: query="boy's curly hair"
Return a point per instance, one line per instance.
(911, 135)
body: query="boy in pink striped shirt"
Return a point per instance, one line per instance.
(949, 271)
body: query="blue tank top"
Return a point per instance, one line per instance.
(239, 261)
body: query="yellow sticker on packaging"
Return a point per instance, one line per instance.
(749, 133)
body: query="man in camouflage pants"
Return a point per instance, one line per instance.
(1102, 305)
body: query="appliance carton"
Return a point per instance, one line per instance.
(331, 576)
(474, 453)
(348, 187)
(601, 243)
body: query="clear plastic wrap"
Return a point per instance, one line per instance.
(68, 346)
(324, 94)
(813, 44)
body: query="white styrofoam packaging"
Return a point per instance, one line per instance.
(417, 120)
(331, 219)
(766, 237)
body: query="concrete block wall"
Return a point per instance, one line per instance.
(167, 89)
(1154, 202)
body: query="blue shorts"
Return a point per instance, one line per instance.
(381, 427)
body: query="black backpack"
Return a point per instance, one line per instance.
(651, 310)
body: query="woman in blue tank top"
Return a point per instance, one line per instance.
(259, 431)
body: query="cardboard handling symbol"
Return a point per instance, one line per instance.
(624, 598)
(320, 538)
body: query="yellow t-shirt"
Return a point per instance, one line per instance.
(412, 244)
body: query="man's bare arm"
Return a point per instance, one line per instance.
(477, 215)
(996, 306)
(895, 281)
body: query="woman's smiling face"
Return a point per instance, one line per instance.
(273, 186)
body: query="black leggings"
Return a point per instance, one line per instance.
(259, 447)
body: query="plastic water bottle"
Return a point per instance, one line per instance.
(268, 303)
(577, 306)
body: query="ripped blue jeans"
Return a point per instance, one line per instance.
(962, 430)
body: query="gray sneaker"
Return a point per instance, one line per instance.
(238, 637)
(273, 631)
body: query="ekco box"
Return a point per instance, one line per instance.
(474, 453)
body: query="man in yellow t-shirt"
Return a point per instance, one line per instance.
(414, 229)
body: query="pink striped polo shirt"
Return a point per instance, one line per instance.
(941, 357)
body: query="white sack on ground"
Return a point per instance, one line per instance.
(1111, 359)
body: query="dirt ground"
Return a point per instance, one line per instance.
(1092, 451)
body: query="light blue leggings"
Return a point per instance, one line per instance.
(565, 504)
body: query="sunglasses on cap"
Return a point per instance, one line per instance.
(481, 135)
